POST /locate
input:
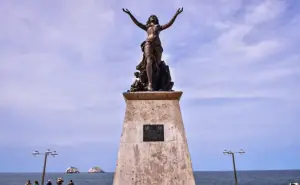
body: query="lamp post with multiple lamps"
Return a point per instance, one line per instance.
(229, 152)
(48, 152)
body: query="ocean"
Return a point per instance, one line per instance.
(202, 178)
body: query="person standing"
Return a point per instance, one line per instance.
(36, 183)
(49, 182)
(71, 182)
(28, 183)
(59, 181)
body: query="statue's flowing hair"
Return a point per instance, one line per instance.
(156, 21)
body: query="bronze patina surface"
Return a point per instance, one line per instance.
(154, 74)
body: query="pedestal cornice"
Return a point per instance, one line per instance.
(153, 95)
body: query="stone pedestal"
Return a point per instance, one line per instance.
(153, 147)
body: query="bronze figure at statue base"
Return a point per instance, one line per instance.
(161, 76)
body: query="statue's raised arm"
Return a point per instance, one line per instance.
(170, 23)
(136, 22)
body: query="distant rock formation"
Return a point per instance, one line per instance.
(72, 170)
(96, 169)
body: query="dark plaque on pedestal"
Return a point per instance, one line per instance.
(153, 133)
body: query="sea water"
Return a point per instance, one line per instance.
(202, 178)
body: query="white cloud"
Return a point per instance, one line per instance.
(265, 11)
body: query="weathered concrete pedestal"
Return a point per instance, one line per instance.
(153, 147)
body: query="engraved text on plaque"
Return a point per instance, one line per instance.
(152, 133)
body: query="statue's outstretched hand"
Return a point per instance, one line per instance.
(179, 11)
(126, 10)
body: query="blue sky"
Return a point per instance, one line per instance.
(65, 64)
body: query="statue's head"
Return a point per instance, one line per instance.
(153, 19)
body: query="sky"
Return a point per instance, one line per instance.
(65, 64)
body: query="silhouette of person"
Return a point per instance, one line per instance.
(71, 182)
(49, 182)
(28, 183)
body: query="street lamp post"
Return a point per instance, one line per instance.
(229, 152)
(48, 152)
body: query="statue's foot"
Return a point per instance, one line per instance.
(150, 87)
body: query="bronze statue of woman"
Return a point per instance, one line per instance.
(152, 48)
